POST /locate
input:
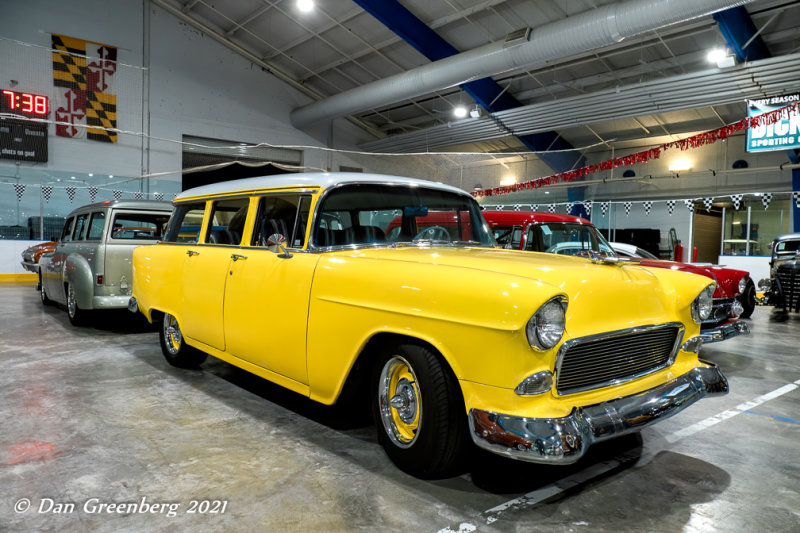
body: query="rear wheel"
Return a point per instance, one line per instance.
(77, 316)
(748, 300)
(175, 350)
(418, 411)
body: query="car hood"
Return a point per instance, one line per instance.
(505, 287)
(727, 278)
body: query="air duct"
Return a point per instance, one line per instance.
(588, 31)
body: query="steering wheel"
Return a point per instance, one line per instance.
(432, 233)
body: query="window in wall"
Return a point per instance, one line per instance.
(96, 226)
(138, 226)
(765, 225)
(185, 223)
(227, 221)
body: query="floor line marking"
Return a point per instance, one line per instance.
(730, 413)
(775, 417)
(596, 470)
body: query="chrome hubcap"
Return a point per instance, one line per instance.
(399, 401)
(72, 306)
(172, 334)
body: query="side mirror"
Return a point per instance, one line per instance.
(275, 244)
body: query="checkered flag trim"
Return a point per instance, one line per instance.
(604, 207)
(689, 205)
(117, 195)
(569, 208)
(158, 196)
(174, 195)
(796, 196)
(517, 207)
(766, 198)
(647, 207)
(708, 202)
(92, 193)
(628, 208)
(534, 207)
(588, 207)
(499, 207)
(552, 208)
(670, 206)
(737, 200)
(19, 188)
(138, 195)
(71, 193)
(47, 191)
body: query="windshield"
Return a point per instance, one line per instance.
(374, 214)
(566, 238)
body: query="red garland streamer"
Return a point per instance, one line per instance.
(701, 139)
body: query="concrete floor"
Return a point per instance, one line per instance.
(95, 415)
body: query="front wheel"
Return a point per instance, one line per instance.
(175, 350)
(419, 411)
(748, 300)
(43, 293)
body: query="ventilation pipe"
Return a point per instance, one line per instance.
(587, 31)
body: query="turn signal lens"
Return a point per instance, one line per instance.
(535, 384)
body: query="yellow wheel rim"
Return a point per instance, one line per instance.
(400, 402)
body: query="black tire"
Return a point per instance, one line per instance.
(425, 433)
(77, 316)
(748, 300)
(43, 293)
(175, 350)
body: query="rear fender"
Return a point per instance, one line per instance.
(78, 273)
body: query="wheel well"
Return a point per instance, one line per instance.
(156, 316)
(356, 388)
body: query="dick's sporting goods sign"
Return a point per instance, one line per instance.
(783, 134)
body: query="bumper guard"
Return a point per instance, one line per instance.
(565, 440)
(725, 331)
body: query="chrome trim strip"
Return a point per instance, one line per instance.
(725, 331)
(619, 333)
(565, 440)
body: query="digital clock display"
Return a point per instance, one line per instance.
(32, 105)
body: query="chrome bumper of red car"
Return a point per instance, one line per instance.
(565, 440)
(725, 331)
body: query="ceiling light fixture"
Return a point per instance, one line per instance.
(721, 58)
(680, 165)
(508, 180)
(460, 111)
(305, 6)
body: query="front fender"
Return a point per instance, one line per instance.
(78, 273)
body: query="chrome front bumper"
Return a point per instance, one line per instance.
(30, 266)
(725, 331)
(565, 440)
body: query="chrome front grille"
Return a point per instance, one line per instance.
(608, 358)
(789, 277)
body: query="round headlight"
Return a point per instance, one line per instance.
(546, 326)
(702, 305)
(742, 284)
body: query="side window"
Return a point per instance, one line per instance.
(508, 236)
(227, 221)
(96, 226)
(138, 226)
(185, 223)
(80, 227)
(286, 215)
(66, 234)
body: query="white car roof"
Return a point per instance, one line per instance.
(309, 179)
(624, 248)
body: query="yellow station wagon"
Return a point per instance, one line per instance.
(531, 355)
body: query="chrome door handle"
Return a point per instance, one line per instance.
(190, 253)
(236, 257)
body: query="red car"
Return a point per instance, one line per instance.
(570, 235)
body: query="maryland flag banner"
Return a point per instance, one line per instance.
(84, 73)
